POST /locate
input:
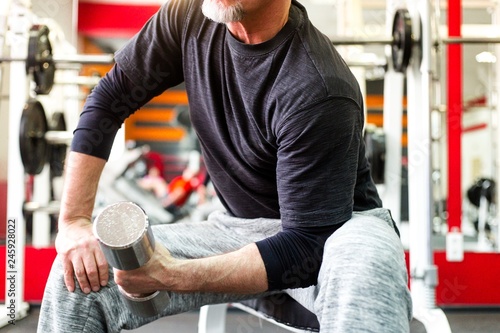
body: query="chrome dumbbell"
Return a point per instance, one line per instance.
(128, 243)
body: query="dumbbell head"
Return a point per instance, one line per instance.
(124, 235)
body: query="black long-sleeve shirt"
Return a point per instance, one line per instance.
(279, 124)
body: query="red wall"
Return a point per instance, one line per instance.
(3, 208)
(37, 267)
(107, 20)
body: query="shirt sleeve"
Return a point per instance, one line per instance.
(147, 65)
(317, 170)
(152, 59)
(293, 257)
(105, 109)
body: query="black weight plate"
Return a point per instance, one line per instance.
(32, 143)
(39, 61)
(57, 152)
(402, 42)
(483, 187)
(375, 152)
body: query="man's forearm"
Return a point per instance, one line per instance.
(80, 186)
(240, 272)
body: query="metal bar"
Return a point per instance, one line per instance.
(369, 64)
(18, 84)
(423, 272)
(361, 41)
(41, 220)
(53, 207)
(474, 4)
(90, 59)
(108, 59)
(84, 59)
(393, 129)
(388, 40)
(495, 100)
(471, 40)
(90, 81)
(58, 137)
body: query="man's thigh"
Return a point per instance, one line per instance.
(365, 249)
(221, 233)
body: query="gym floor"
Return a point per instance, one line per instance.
(461, 321)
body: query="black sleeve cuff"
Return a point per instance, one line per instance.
(293, 257)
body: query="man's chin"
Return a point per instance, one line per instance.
(219, 13)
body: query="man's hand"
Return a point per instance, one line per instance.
(149, 278)
(81, 256)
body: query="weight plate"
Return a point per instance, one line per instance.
(32, 143)
(57, 152)
(402, 40)
(482, 187)
(39, 61)
(375, 152)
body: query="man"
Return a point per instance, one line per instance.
(279, 117)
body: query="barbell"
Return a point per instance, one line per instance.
(38, 144)
(403, 40)
(41, 62)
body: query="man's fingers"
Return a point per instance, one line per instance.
(91, 272)
(81, 256)
(69, 279)
(96, 268)
(89, 262)
(81, 276)
(102, 267)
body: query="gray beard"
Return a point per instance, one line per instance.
(220, 13)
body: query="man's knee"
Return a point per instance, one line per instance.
(368, 246)
(364, 273)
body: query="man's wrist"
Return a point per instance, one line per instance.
(184, 276)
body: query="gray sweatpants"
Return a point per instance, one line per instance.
(362, 284)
